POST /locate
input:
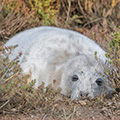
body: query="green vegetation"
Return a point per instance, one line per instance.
(114, 56)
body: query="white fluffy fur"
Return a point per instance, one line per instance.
(50, 53)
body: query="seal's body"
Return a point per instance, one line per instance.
(61, 57)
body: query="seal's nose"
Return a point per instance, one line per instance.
(83, 94)
(99, 81)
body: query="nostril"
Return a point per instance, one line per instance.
(81, 94)
(86, 94)
(99, 81)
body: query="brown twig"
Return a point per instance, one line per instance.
(5, 104)
(92, 22)
(68, 12)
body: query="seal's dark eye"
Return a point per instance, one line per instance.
(99, 81)
(74, 78)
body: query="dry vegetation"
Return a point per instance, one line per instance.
(98, 19)
(17, 15)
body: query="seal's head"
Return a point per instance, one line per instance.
(83, 78)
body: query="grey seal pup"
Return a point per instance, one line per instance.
(61, 57)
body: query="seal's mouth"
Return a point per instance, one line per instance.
(76, 94)
(80, 96)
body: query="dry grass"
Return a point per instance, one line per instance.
(19, 15)
(96, 19)
(88, 13)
